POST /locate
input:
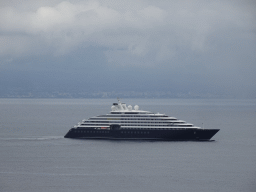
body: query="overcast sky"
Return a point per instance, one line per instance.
(188, 46)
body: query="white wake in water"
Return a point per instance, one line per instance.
(42, 138)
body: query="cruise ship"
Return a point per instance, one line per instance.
(127, 122)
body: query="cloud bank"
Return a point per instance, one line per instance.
(147, 32)
(180, 45)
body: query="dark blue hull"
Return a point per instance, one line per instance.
(148, 134)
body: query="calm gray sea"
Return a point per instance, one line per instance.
(34, 156)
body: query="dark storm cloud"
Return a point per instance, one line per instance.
(135, 29)
(208, 44)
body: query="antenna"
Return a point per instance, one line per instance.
(120, 104)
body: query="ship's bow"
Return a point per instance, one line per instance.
(205, 134)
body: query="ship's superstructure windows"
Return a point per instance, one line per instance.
(132, 118)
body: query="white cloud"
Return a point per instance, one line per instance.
(144, 32)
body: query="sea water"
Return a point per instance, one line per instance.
(34, 155)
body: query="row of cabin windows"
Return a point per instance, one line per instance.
(134, 121)
(126, 119)
(141, 125)
(123, 132)
(130, 123)
(126, 129)
(134, 115)
(153, 128)
(135, 132)
(82, 131)
(127, 116)
(131, 115)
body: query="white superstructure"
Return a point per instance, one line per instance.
(129, 117)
